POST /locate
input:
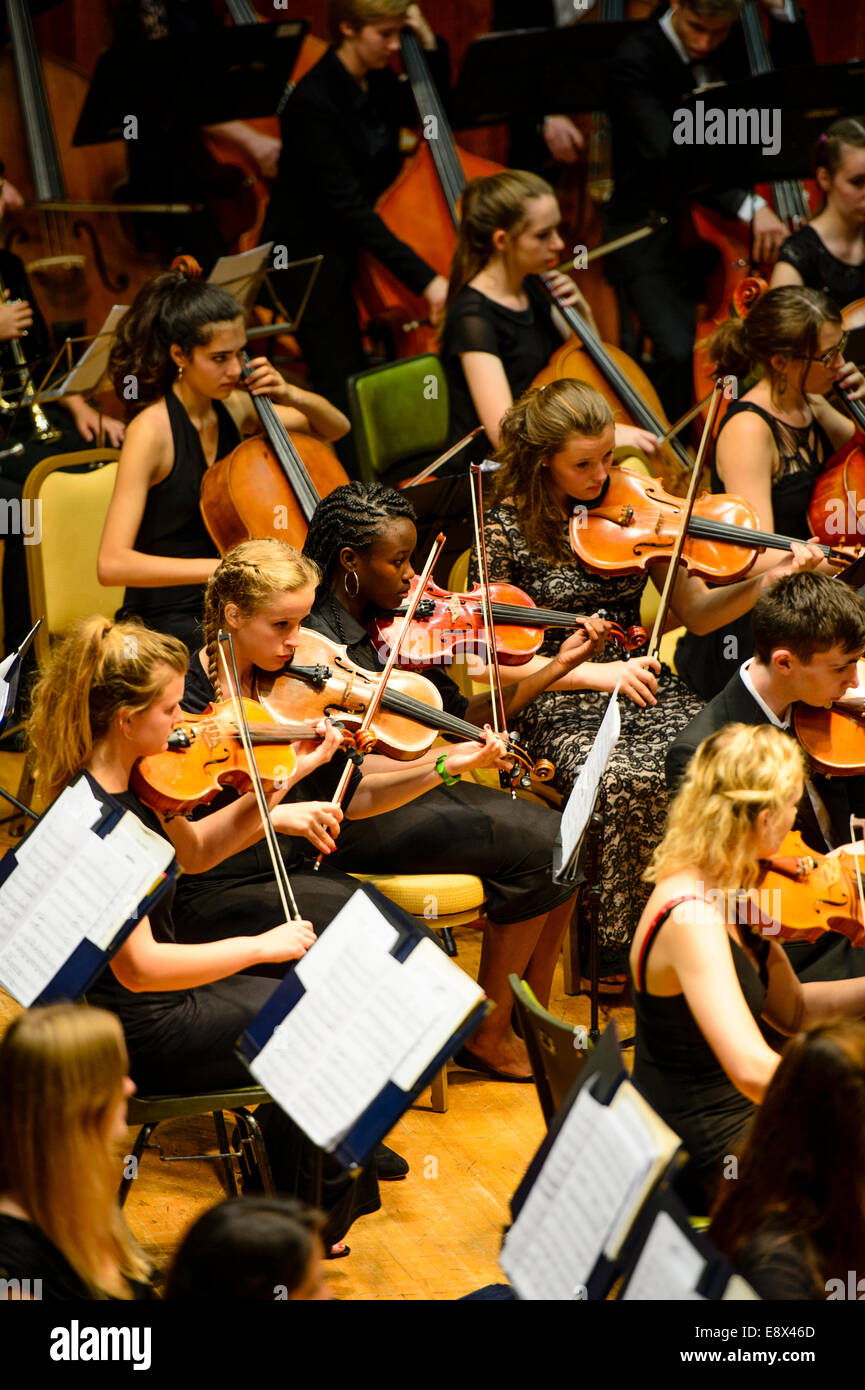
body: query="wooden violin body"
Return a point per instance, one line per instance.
(833, 738)
(803, 894)
(206, 755)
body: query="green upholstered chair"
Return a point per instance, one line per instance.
(399, 417)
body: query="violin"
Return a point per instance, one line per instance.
(634, 522)
(833, 738)
(622, 383)
(205, 754)
(266, 486)
(447, 624)
(321, 681)
(807, 894)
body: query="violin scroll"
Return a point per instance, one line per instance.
(747, 293)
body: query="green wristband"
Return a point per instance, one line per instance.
(447, 777)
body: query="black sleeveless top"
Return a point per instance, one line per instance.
(820, 270)
(708, 662)
(676, 1069)
(172, 523)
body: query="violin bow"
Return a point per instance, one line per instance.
(286, 896)
(436, 464)
(363, 738)
(497, 698)
(690, 498)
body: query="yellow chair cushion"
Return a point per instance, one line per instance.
(429, 895)
(73, 514)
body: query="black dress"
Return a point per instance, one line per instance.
(708, 662)
(463, 829)
(182, 1041)
(239, 897)
(562, 724)
(677, 1071)
(820, 270)
(27, 1255)
(524, 339)
(172, 525)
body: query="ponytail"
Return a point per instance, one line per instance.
(496, 202)
(785, 320)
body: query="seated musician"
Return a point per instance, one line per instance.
(178, 358)
(773, 442)
(340, 151)
(809, 634)
(676, 51)
(701, 979)
(790, 1228)
(829, 253)
(500, 328)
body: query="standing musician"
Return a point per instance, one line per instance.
(340, 151)
(829, 254)
(808, 636)
(775, 441)
(701, 980)
(678, 50)
(500, 329)
(557, 444)
(180, 349)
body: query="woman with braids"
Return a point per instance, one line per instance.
(557, 444)
(261, 592)
(701, 979)
(793, 1222)
(109, 695)
(829, 253)
(64, 1085)
(178, 357)
(773, 442)
(500, 329)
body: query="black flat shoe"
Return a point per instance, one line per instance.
(389, 1166)
(470, 1062)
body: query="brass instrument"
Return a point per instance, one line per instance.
(44, 430)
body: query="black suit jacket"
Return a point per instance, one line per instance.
(830, 957)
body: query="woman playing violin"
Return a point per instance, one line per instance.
(500, 329)
(178, 356)
(773, 442)
(829, 254)
(701, 980)
(557, 450)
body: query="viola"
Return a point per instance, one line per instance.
(205, 754)
(622, 383)
(635, 522)
(833, 738)
(322, 681)
(448, 624)
(803, 894)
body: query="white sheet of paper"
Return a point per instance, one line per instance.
(584, 793)
(91, 367)
(668, 1268)
(237, 273)
(451, 997)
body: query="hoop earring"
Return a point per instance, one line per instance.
(352, 593)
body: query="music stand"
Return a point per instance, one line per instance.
(528, 72)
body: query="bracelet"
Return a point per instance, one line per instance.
(449, 778)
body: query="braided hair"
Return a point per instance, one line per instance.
(248, 576)
(352, 515)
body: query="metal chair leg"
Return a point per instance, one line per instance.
(259, 1149)
(448, 942)
(137, 1150)
(227, 1162)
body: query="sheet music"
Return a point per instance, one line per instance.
(88, 372)
(239, 273)
(365, 1019)
(10, 670)
(669, 1266)
(581, 802)
(70, 886)
(566, 1220)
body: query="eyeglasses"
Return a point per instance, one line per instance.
(828, 357)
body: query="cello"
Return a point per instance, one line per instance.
(420, 207)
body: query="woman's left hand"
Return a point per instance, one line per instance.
(564, 288)
(635, 438)
(263, 379)
(850, 380)
(583, 644)
(311, 755)
(804, 556)
(493, 752)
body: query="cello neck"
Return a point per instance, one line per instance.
(630, 397)
(48, 182)
(855, 409)
(286, 455)
(434, 123)
(788, 195)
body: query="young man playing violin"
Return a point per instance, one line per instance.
(681, 48)
(809, 635)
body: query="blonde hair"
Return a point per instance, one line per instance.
(536, 427)
(496, 202)
(98, 669)
(249, 576)
(734, 775)
(358, 13)
(61, 1074)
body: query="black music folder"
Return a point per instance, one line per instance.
(360, 1026)
(72, 891)
(671, 1262)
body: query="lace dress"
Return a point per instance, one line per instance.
(561, 726)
